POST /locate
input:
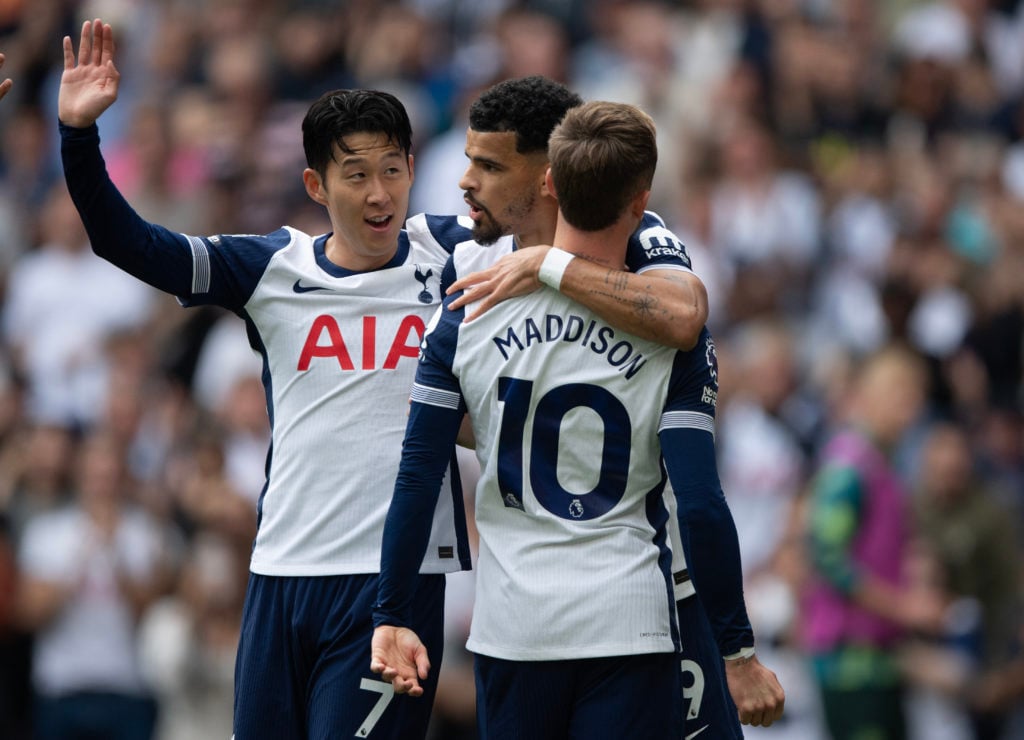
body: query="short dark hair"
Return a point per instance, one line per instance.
(530, 107)
(602, 155)
(339, 113)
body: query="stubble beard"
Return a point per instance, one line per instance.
(488, 229)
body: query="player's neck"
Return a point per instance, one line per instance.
(342, 255)
(541, 229)
(606, 246)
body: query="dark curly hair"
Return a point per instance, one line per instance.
(339, 113)
(530, 107)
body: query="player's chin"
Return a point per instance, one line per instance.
(486, 233)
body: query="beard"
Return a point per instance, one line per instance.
(488, 229)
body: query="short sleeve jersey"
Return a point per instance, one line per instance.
(339, 353)
(575, 560)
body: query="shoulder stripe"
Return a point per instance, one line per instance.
(434, 396)
(200, 266)
(664, 266)
(651, 219)
(448, 231)
(687, 420)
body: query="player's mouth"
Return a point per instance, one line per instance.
(379, 223)
(476, 211)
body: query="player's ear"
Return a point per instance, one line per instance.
(314, 186)
(548, 188)
(639, 204)
(412, 170)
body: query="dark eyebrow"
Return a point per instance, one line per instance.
(355, 159)
(484, 160)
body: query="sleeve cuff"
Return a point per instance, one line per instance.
(746, 652)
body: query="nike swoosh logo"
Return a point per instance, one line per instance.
(694, 734)
(300, 288)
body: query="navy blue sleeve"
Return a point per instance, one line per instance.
(708, 534)
(428, 447)
(435, 415)
(706, 526)
(653, 246)
(151, 253)
(220, 270)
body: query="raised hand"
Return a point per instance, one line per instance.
(89, 87)
(399, 656)
(5, 86)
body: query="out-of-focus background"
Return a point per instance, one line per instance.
(845, 174)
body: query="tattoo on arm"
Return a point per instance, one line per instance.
(616, 287)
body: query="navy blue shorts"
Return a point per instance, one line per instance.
(710, 710)
(632, 696)
(303, 667)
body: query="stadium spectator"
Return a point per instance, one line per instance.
(971, 536)
(857, 606)
(88, 572)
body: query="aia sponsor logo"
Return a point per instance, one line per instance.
(326, 340)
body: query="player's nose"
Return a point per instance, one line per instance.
(378, 192)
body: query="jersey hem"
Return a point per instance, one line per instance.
(568, 653)
(348, 569)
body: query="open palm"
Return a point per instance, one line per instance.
(89, 87)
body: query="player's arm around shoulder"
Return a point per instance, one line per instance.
(659, 298)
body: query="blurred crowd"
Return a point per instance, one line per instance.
(847, 175)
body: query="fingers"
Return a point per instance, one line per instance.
(69, 54)
(410, 687)
(764, 712)
(422, 665)
(96, 45)
(471, 281)
(97, 41)
(85, 43)
(5, 87)
(459, 302)
(481, 308)
(464, 283)
(107, 48)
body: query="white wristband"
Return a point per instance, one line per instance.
(553, 267)
(741, 653)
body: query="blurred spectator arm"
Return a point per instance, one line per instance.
(39, 601)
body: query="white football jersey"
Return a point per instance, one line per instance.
(653, 247)
(575, 559)
(339, 356)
